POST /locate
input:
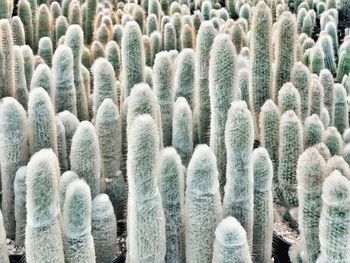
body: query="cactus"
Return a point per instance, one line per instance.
(7, 76)
(269, 122)
(44, 23)
(334, 226)
(104, 229)
(289, 99)
(75, 40)
(243, 84)
(102, 34)
(230, 242)
(182, 137)
(313, 130)
(133, 58)
(42, 78)
(163, 91)
(285, 51)
(148, 50)
(18, 31)
(171, 187)
(203, 210)
(151, 24)
(4, 254)
(20, 191)
(263, 205)
(61, 27)
(326, 79)
(21, 92)
(89, 20)
(184, 76)
(146, 239)
(310, 178)
(156, 43)
(300, 77)
(239, 138)
(333, 140)
(291, 146)
(113, 56)
(336, 163)
(204, 42)
(41, 120)
(343, 64)
(116, 189)
(325, 42)
(63, 80)
(325, 117)
(222, 90)
(85, 156)
(186, 37)
(169, 38)
(341, 111)
(27, 54)
(74, 16)
(316, 95)
(65, 180)
(43, 231)
(108, 129)
(79, 244)
(260, 78)
(97, 50)
(13, 154)
(24, 12)
(346, 136)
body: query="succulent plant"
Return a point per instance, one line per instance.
(4, 253)
(313, 130)
(20, 190)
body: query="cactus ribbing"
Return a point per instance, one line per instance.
(310, 179)
(146, 221)
(85, 156)
(13, 154)
(171, 187)
(203, 211)
(43, 231)
(79, 244)
(263, 206)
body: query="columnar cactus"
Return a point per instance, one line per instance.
(89, 20)
(21, 91)
(203, 211)
(310, 179)
(317, 60)
(24, 12)
(113, 56)
(13, 154)
(333, 140)
(263, 206)
(133, 58)
(163, 89)
(231, 242)
(171, 187)
(317, 95)
(146, 221)
(20, 190)
(269, 122)
(78, 241)
(205, 39)
(18, 31)
(43, 231)
(74, 39)
(285, 51)
(74, 16)
(300, 77)
(336, 162)
(326, 44)
(182, 137)
(341, 111)
(44, 23)
(7, 76)
(41, 120)
(4, 253)
(45, 50)
(184, 76)
(313, 130)
(169, 37)
(334, 221)
(289, 99)
(85, 156)
(61, 27)
(108, 130)
(239, 138)
(66, 178)
(148, 50)
(291, 146)
(325, 117)
(104, 229)
(222, 90)
(151, 24)
(42, 78)
(260, 78)
(326, 79)
(343, 64)
(63, 80)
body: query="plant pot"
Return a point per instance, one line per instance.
(280, 249)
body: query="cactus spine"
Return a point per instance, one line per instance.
(309, 176)
(239, 138)
(78, 241)
(43, 231)
(14, 154)
(171, 187)
(263, 206)
(203, 211)
(261, 59)
(146, 237)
